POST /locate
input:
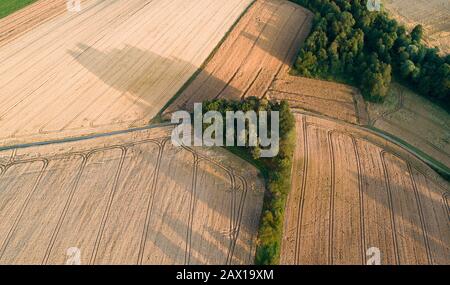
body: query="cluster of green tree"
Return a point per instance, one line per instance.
(276, 171)
(349, 43)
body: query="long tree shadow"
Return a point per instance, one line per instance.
(205, 196)
(137, 83)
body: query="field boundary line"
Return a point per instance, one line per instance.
(210, 58)
(437, 166)
(4, 41)
(398, 126)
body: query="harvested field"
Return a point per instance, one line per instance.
(127, 199)
(112, 66)
(433, 15)
(415, 120)
(255, 59)
(133, 198)
(30, 17)
(353, 191)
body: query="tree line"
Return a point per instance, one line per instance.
(348, 43)
(276, 171)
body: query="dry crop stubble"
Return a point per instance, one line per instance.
(128, 199)
(360, 191)
(112, 66)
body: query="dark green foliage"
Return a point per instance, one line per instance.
(277, 172)
(367, 48)
(10, 6)
(417, 33)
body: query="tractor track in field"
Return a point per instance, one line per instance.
(332, 193)
(64, 212)
(415, 195)
(421, 216)
(24, 206)
(391, 207)
(150, 201)
(302, 191)
(236, 211)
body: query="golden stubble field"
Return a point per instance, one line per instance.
(135, 199)
(128, 199)
(352, 191)
(30, 17)
(112, 66)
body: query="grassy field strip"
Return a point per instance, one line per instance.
(10, 6)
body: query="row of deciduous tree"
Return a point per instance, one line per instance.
(277, 171)
(354, 45)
